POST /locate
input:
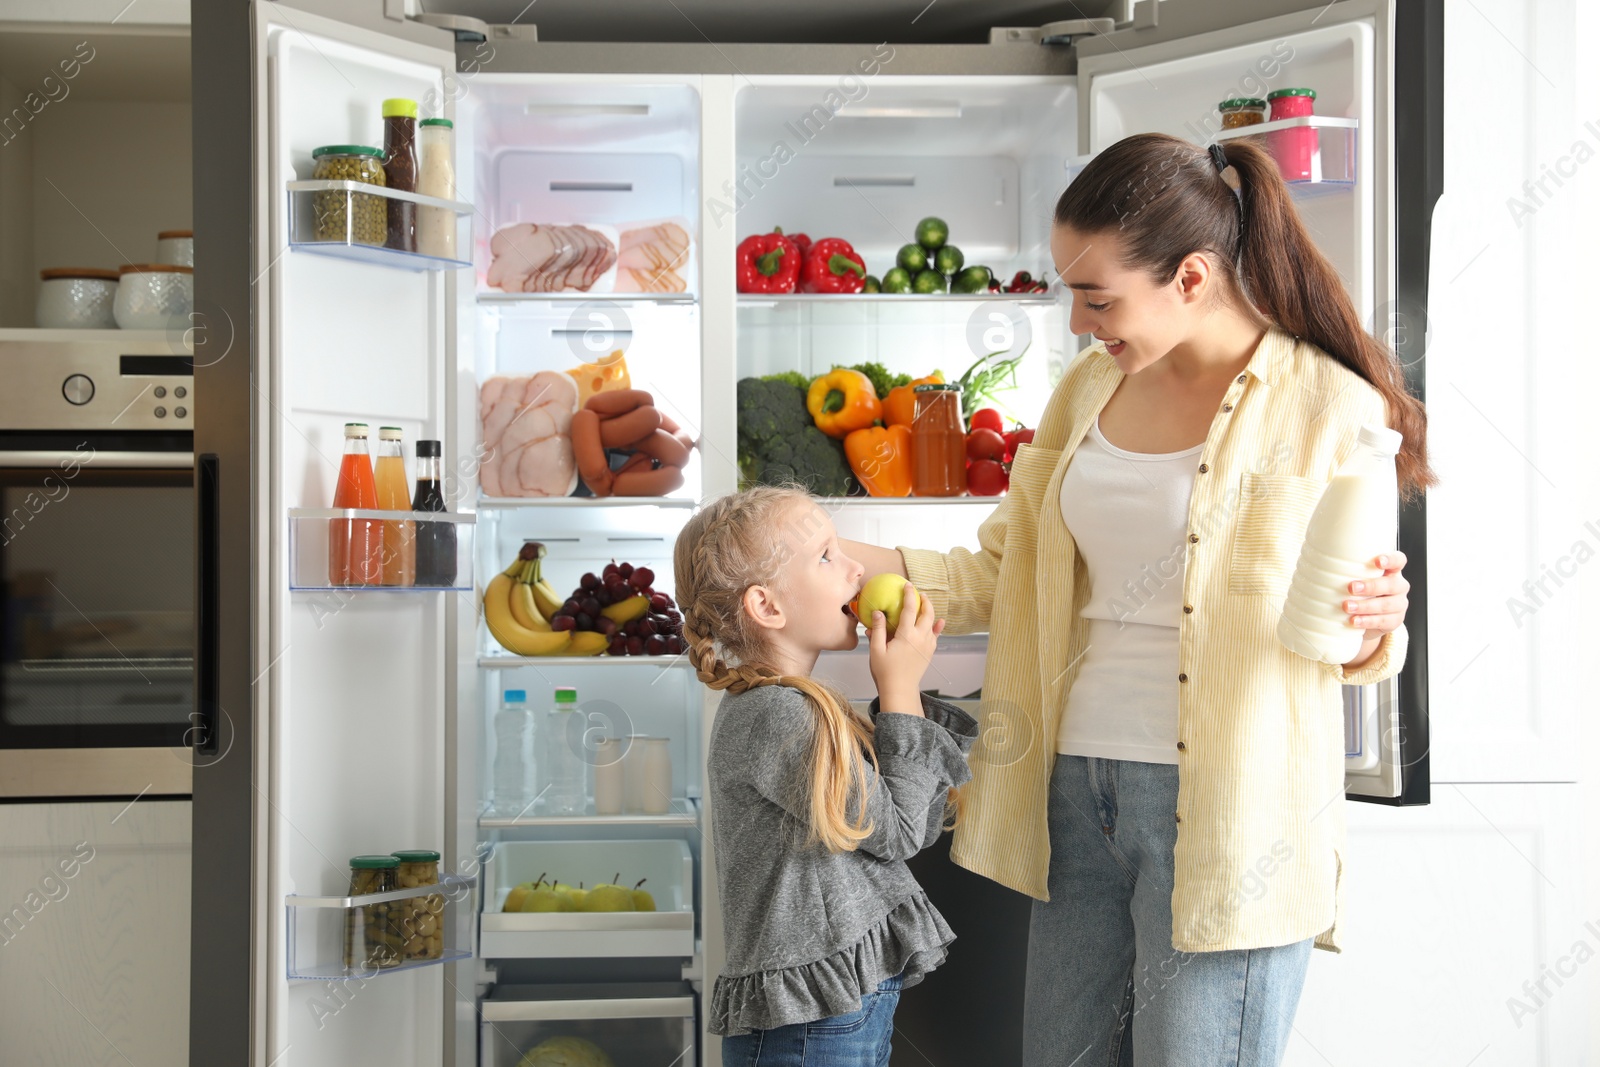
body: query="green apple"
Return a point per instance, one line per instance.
(546, 899)
(608, 897)
(642, 900)
(885, 593)
(518, 893)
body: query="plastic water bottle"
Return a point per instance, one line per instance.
(1354, 522)
(560, 742)
(513, 756)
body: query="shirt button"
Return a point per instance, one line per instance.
(1178, 817)
(1183, 678)
(1181, 748)
(1227, 407)
(1240, 379)
(1194, 539)
(1188, 609)
(1204, 468)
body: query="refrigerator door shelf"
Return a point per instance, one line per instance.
(1315, 153)
(324, 216)
(309, 539)
(319, 925)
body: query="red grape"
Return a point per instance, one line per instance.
(609, 570)
(674, 615)
(571, 607)
(563, 622)
(655, 645)
(590, 605)
(604, 596)
(675, 645)
(635, 646)
(647, 626)
(659, 602)
(619, 646)
(642, 578)
(606, 626)
(625, 569)
(590, 581)
(632, 628)
(585, 622)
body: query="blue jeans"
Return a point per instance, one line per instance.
(1105, 986)
(859, 1039)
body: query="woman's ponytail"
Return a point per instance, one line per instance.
(1166, 198)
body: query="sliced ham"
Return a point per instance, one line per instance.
(651, 259)
(535, 258)
(527, 424)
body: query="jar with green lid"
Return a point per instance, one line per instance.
(1242, 111)
(422, 918)
(372, 938)
(342, 215)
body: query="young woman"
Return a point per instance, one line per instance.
(1157, 770)
(815, 809)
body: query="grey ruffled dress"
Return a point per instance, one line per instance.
(808, 932)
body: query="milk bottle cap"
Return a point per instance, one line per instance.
(1381, 437)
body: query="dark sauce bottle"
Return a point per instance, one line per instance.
(400, 170)
(436, 541)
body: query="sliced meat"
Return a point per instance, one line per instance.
(527, 424)
(535, 258)
(651, 259)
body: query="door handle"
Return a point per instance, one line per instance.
(208, 599)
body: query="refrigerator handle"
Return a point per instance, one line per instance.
(208, 619)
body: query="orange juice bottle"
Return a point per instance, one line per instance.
(399, 557)
(354, 544)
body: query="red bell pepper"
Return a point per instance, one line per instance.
(768, 263)
(801, 241)
(832, 266)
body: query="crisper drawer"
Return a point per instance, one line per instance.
(666, 867)
(595, 1025)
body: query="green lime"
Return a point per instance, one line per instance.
(932, 233)
(948, 260)
(971, 280)
(929, 281)
(912, 258)
(896, 280)
(871, 285)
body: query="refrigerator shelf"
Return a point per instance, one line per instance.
(524, 299)
(773, 300)
(666, 865)
(318, 927)
(500, 503)
(511, 663)
(683, 813)
(309, 551)
(310, 199)
(630, 1023)
(1321, 162)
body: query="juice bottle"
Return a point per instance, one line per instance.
(436, 541)
(354, 544)
(1354, 522)
(938, 443)
(399, 556)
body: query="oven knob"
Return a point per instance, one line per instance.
(78, 389)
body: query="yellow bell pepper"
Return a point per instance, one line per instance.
(843, 400)
(880, 456)
(900, 406)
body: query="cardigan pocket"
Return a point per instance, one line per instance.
(1274, 510)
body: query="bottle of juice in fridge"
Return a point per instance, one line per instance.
(1354, 522)
(399, 560)
(354, 544)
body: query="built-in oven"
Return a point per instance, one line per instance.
(97, 565)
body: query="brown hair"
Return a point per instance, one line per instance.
(1167, 199)
(730, 544)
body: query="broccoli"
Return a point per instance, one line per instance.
(778, 442)
(793, 377)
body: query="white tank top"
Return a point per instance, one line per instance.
(1127, 511)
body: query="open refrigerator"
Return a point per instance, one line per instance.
(367, 721)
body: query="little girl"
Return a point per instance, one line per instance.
(823, 922)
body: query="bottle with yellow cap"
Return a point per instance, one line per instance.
(400, 170)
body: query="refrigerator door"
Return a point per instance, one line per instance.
(331, 708)
(1169, 79)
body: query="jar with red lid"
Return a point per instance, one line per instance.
(1294, 149)
(938, 442)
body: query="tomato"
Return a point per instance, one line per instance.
(1022, 435)
(987, 419)
(985, 444)
(986, 477)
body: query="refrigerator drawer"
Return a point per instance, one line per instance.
(666, 868)
(628, 1023)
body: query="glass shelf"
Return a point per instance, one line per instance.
(312, 532)
(773, 300)
(658, 299)
(827, 502)
(683, 812)
(321, 928)
(511, 663)
(311, 201)
(498, 503)
(1316, 154)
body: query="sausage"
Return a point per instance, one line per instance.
(658, 482)
(671, 426)
(624, 430)
(589, 453)
(665, 447)
(635, 461)
(619, 401)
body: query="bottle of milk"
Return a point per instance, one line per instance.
(1354, 522)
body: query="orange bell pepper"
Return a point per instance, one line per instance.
(843, 400)
(900, 406)
(880, 456)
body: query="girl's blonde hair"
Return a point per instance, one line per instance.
(729, 545)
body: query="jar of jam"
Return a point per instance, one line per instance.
(372, 931)
(938, 442)
(1295, 149)
(1242, 111)
(421, 918)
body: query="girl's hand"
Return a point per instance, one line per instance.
(898, 665)
(1383, 602)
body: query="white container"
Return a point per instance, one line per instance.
(647, 769)
(154, 296)
(1355, 521)
(436, 227)
(608, 776)
(76, 298)
(175, 247)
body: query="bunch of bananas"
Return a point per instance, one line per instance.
(518, 605)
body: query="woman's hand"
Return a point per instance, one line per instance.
(898, 664)
(1381, 607)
